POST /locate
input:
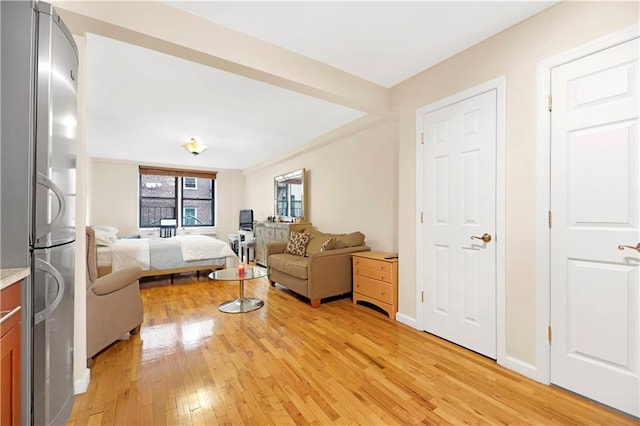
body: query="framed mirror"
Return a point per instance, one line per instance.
(289, 196)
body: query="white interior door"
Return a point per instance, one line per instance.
(459, 268)
(595, 191)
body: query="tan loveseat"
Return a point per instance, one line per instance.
(318, 274)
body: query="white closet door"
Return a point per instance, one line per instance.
(460, 203)
(595, 192)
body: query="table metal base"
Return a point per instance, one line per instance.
(241, 304)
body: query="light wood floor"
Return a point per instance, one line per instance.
(288, 363)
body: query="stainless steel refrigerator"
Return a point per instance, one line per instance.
(39, 64)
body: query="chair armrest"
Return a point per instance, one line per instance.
(116, 280)
(276, 248)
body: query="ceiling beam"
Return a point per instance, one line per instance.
(158, 26)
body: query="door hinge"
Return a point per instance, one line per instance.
(421, 217)
(422, 138)
(422, 296)
(549, 333)
(550, 102)
(550, 219)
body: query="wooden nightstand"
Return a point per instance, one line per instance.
(375, 280)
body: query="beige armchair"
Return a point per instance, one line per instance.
(114, 304)
(318, 274)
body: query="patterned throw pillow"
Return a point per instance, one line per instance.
(297, 243)
(330, 244)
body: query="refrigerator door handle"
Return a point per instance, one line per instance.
(49, 269)
(47, 228)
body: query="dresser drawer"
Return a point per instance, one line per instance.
(376, 274)
(373, 288)
(282, 234)
(372, 264)
(269, 233)
(259, 230)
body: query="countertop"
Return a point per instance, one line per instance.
(10, 276)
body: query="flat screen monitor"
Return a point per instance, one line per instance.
(246, 219)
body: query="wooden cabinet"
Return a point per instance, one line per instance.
(10, 370)
(375, 280)
(270, 232)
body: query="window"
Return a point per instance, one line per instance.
(189, 183)
(190, 215)
(185, 195)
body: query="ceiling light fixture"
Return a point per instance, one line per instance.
(194, 147)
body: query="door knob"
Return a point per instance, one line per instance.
(485, 237)
(622, 247)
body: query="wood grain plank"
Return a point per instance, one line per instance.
(288, 363)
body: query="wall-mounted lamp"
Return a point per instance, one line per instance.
(194, 147)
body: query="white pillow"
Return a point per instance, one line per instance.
(104, 238)
(110, 229)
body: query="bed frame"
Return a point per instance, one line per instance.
(104, 270)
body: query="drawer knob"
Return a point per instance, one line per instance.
(382, 293)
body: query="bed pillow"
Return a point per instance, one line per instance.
(106, 228)
(103, 238)
(297, 243)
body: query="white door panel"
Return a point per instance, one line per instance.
(595, 193)
(460, 202)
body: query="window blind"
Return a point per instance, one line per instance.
(170, 171)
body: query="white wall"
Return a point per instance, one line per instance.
(514, 53)
(362, 176)
(80, 370)
(114, 197)
(351, 181)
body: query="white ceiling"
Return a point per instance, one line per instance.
(142, 105)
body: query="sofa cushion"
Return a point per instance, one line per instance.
(297, 243)
(353, 239)
(290, 264)
(316, 239)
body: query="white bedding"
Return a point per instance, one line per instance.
(167, 253)
(130, 252)
(104, 256)
(198, 247)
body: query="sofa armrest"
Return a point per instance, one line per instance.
(330, 272)
(276, 248)
(116, 280)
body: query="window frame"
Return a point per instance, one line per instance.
(193, 217)
(179, 198)
(184, 182)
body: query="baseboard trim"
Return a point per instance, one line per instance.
(80, 385)
(510, 363)
(521, 367)
(407, 320)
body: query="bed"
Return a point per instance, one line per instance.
(164, 256)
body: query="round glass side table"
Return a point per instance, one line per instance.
(241, 303)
